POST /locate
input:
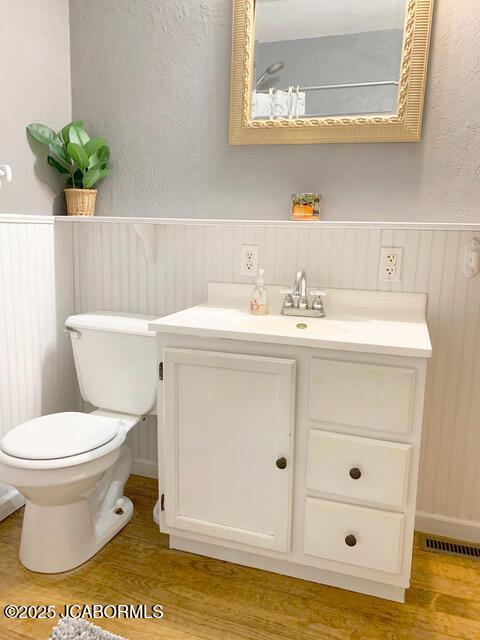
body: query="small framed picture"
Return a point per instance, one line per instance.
(305, 206)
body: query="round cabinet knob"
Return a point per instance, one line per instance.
(355, 473)
(281, 463)
(350, 540)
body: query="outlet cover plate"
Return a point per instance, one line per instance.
(249, 260)
(390, 266)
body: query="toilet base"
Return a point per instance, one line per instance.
(66, 523)
(60, 538)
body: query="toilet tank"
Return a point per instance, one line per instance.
(115, 359)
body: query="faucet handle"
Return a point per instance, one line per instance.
(288, 301)
(317, 303)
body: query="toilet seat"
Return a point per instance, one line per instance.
(16, 440)
(59, 435)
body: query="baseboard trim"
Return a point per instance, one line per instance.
(146, 468)
(439, 525)
(10, 502)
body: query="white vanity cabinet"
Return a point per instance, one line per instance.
(228, 446)
(292, 456)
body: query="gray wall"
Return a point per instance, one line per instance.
(35, 87)
(355, 57)
(154, 77)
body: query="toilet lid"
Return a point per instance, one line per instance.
(59, 435)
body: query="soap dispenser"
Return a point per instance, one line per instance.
(259, 297)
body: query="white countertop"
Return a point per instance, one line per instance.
(363, 321)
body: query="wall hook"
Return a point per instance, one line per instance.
(5, 172)
(471, 263)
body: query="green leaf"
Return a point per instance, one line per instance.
(77, 135)
(59, 151)
(93, 176)
(56, 165)
(93, 145)
(66, 129)
(99, 160)
(78, 155)
(42, 133)
(77, 180)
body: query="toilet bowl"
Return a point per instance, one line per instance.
(72, 467)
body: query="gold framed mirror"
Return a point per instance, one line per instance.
(328, 71)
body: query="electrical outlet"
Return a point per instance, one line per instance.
(390, 268)
(249, 259)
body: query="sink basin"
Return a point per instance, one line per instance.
(292, 325)
(367, 321)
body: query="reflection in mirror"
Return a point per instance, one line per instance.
(326, 57)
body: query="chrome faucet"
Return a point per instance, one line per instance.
(300, 289)
(295, 302)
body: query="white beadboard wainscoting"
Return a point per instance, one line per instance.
(36, 294)
(110, 272)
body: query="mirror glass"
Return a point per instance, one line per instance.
(321, 58)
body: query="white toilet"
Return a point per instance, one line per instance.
(72, 467)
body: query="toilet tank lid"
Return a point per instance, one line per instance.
(133, 323)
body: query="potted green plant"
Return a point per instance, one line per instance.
(83, 159)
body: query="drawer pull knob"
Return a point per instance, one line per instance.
(355, 473)
(281, 463)
(350, 540)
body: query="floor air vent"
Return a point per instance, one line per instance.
(450, 547)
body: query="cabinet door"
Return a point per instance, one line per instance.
(228, 422)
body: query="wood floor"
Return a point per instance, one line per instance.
(214, 600)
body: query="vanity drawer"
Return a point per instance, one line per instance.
(354, 535)
(361, 395)
(361, 468)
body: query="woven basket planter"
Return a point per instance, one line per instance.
(81, 202)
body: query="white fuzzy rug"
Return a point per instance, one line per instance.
(78, 629)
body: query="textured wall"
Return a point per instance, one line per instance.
(160, 91)
(35, 87)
